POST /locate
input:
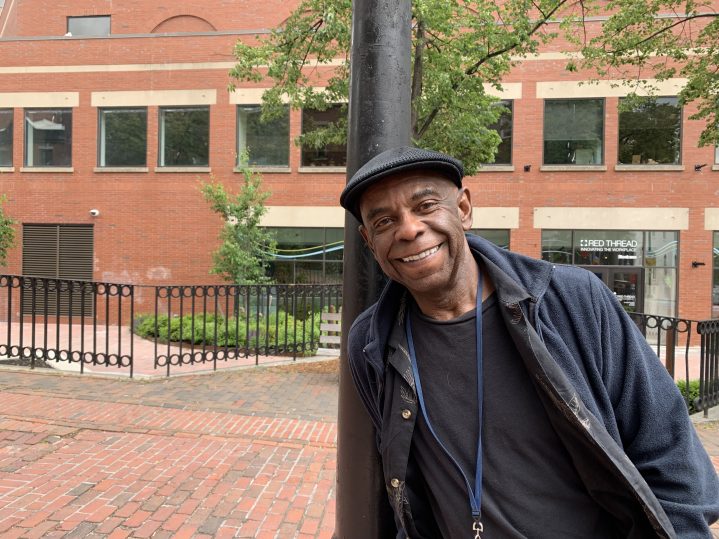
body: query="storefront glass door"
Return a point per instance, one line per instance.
(626, 283)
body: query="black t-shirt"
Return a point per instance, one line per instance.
(530, 486)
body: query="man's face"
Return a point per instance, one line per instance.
(414, 223)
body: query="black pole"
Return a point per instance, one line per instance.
(379, 118)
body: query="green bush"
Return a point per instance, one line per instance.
(216, 330)
(693, 393)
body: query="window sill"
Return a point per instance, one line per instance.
(715, 167)
(61, 170)
(649, 168)
(323, 170)
(182, 169)
(7, 169)
(573, 168)
(496, 168)
(266, 170)
(121, 169)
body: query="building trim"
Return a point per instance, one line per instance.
(649, 168)
(608, 88)
(48, 170)
(115, 68)
(573, 168)
(259, 31)
(490, 167)
(611, 218)
(264, 170)
(120, 169)
(495, 217)
(509, 90)
(304, 216)
(162, 170)
(322, 170)
(711, 218)
(147, 98)
(39, 99)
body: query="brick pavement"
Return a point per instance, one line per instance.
(236, 454)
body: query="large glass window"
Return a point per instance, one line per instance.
(48, 137)
(184, 137)
(716, 155)
(499, 237)
(122, 137)
(645, 262)
(573, 132)
(6, 123)
(266, 144)
(503, 127)
(308, 255)
(89, 26)
(650, 133)
(330, 155)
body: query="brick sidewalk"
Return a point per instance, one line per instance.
(200, 456)
(236, 454)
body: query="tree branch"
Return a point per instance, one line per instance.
(661, 31)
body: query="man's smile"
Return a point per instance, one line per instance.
(422, 255)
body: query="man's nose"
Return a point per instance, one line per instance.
(409, 227)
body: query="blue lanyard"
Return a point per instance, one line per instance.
(475, 494)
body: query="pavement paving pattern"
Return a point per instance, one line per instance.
(248, 453)
(238, 454)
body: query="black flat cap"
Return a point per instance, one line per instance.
(393, 161)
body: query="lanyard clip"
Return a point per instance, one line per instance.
(477, 528)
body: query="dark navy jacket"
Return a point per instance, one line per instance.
(610, 400)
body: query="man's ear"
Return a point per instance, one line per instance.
(464, 207)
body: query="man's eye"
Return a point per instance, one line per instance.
(384, 221)
(427, 205)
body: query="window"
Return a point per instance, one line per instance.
(330, 155)
(650, 133)
(503, 127)
(266, 143)
(122, 137)
(57, 252)
(89, 26)
(573, 132)
(500, 237)
(184, 137)
(308, 255)
(6, 117)
(48, 137)
(716, 155)
(639, 266)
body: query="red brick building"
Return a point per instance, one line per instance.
(112, 113)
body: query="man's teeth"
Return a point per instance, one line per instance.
(423, 254)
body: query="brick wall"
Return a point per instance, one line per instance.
(155, 228)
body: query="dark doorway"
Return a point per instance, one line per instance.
(626, 283)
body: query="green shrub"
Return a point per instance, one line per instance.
(692, 395)
(216, 330)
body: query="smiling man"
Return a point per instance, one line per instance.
(510, 397)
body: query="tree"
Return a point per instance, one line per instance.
(246, 247)
(7, 233)
(458, 48)
(661, 39)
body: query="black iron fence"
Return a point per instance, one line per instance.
(105, 327)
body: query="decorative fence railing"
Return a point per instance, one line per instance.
(694, 366)
(108, 328)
